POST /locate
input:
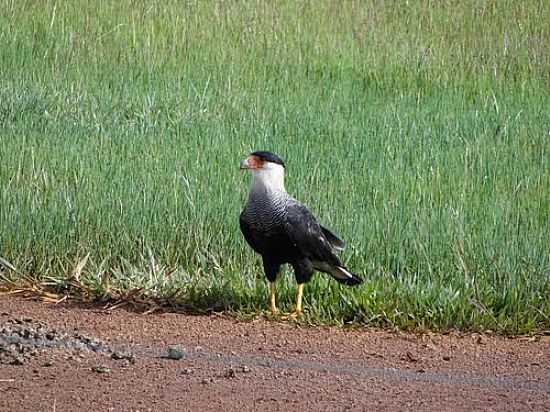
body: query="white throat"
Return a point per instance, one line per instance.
(270, 178)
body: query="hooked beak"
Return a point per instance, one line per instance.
(245, 164)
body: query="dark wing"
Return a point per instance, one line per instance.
(334, 240)
(317, 243)
(308, 235)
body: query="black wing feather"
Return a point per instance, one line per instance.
(334, 240)
(308, 235)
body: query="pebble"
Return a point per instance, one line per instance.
(230, 373)
(175, 353)
(123, 356)
(101, 369)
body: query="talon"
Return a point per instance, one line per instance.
(294, 315)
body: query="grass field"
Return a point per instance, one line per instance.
(418, 131)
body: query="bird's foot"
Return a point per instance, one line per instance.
(294, 315)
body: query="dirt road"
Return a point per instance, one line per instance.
(68, 357)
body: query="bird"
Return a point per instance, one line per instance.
(283, 231)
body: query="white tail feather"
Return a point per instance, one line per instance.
(347, 274)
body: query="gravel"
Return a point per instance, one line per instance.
(22, 339)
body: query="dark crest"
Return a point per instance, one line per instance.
(269, 157)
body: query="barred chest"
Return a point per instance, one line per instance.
(263, 211)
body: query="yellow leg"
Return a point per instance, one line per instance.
(299, 294)
(295, 314)
(272, 301)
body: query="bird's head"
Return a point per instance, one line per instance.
(267, 169)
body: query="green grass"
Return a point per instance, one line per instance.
(420, 133)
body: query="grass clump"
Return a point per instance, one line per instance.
(419, 132)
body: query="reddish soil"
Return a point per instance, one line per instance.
(265, 365)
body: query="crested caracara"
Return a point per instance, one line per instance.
(282, 230)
